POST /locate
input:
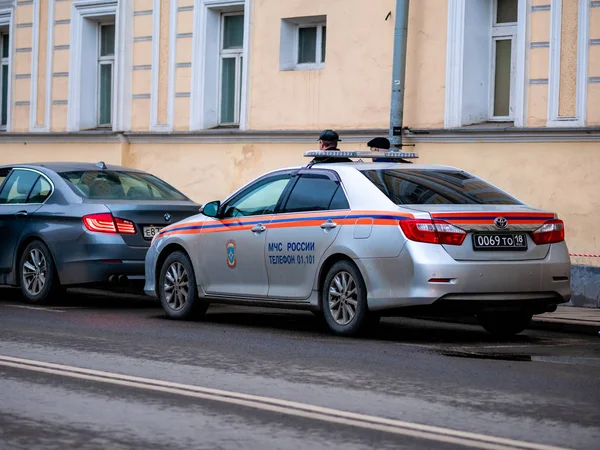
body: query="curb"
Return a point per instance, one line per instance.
(565, 326)
(558, 325)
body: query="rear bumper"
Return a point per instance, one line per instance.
(406, 280)
(93, 271)
(95, 257)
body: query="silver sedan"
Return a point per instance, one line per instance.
(354, 241)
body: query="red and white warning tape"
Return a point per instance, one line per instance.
(585, 255)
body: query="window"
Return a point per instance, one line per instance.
(261, 198)
(17, 187)
(40, 192)
(231, 61)
(116, 185)
(106, 60)
(303, 43)
(316, 193)
(311, 44)
(486, 76)
(435, 187)
(100, 53)
(4, 78)
(504, 31)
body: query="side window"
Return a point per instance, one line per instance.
(339, 200)
(315, 193)
(40, 192)
(259, 199)
(17, 187)
(3, 174)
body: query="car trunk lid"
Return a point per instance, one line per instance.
(494, 232)
(149, 217)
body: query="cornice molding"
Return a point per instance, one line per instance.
(412, 136)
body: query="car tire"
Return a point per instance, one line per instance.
(344, 300)
(38, 278)
(504, 324)
(177, 289)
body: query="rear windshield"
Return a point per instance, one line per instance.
(117, 185)
(436, 187)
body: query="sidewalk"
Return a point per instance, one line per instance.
(570, 319)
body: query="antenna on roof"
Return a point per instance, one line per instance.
(101, 165)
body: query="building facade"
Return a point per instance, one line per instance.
(208, 94)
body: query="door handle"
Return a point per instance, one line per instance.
(21, 214)
(329, 225)
(260, 228)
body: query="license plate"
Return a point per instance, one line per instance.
(512, 241)
(150, 232)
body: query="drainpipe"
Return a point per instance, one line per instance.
(398, 73)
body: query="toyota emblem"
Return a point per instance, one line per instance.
(500, 222)
(167, 217)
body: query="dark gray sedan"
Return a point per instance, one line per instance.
(72, 224)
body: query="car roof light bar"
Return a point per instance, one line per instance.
(354, 154)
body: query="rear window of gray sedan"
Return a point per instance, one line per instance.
(120, 185)
(434, 186)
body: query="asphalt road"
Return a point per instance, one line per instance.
(96, 372)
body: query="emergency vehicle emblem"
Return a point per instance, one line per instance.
(231, 260)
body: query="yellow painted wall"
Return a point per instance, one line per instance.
(29, 152)
(59, 117)
(62, 10)
(593, 112)
(185, 21)
(537, 114)
(425, 84)
(310, 99)
(534, 173)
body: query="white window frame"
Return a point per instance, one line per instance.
(100, 11)
(459, 109)
(4, 61)
(502, 32)
(105, 61)
(319, 63)
(7, 24)
(238, 55)
(205, 102)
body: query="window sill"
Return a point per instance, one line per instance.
(489, 125)
(227, 126)
(303, 67)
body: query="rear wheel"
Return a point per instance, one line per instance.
(177, 288)
(504, 324)
(344, 300)
(37, 274)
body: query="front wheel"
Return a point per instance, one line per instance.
(177, 288)
(504, 324)
(344, 299)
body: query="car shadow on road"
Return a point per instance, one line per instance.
(84, 298)
(391, 329)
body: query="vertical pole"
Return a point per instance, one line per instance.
(398, 73)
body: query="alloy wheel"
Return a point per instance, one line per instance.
(343, 298)
(35, 272)
(176, 286)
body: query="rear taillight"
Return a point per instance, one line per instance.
(124, 226)
(106, 223)
(552, 231)
(432, 232)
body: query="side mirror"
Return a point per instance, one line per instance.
(211, 209)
